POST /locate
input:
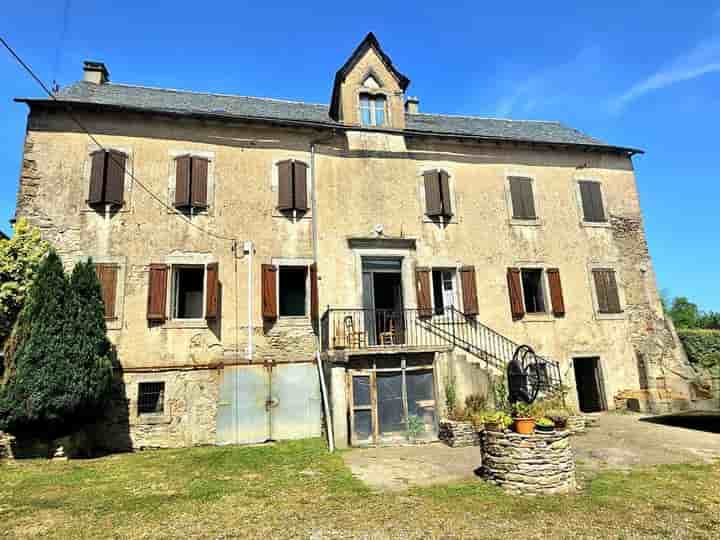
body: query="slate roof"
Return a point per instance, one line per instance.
(242, 107)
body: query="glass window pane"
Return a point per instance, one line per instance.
(390, 406)
(379, 111)
(363, 425)
(421, 398)
(361, 390)
(365, 116)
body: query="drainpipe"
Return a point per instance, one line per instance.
(248, 249)
(318, 339)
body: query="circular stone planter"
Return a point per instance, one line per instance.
(538, 464)
(457, 434)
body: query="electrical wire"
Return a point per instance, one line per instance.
(68, 110)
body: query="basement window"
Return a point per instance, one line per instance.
(151, 397)
(188, 291)
(292, 291)
(533, 290)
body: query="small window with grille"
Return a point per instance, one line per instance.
(151, 397)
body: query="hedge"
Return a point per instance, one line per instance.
(702, 346)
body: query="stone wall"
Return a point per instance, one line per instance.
(6, 445)
(458, 434)
(529, 464)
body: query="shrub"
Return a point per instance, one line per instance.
(475, 403)
(702, 346)
(62, 371)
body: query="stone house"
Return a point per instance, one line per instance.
(240, 241)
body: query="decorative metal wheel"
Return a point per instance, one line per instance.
(533, 369)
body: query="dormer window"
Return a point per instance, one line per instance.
(372, 110)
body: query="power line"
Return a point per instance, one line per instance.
(61, 45)
(68, 109)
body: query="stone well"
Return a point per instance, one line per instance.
(535, 464)
(458, 434)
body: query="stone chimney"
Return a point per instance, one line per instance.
(95, 72)
(412, 105)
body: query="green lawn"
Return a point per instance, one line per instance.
(297, 489)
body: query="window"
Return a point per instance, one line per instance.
(191, 182)
(292, 291)
(107, 276)
(592, 202)
(188, 292)
(292, 186)
(606, 290)
(523, 202)
(443, 290)
(372, 110)
(151, 397)
(107, 178)
(437, 193)
(533, 290)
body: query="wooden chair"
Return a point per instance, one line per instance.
(355, 339)
(388, 337)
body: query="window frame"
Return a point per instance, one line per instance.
(188, 259)
(622, 314)
(544, 290)
(547, 315)
(455, 284)
(175, 291)
(293, 262)
(537, 221)
(161, 398)
(372, 108)
(579, 201)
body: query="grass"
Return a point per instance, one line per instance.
(297, 489)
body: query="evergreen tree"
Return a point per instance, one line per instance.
(61, 360)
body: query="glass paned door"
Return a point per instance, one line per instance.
(362, 424)
(391, 408)
(421, 399)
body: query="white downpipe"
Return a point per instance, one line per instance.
(249, 248)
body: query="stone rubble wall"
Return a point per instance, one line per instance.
(457, 434)
(6, 445)
(538, 464)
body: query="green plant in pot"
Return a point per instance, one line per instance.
(544, 425)
(559, 417)
(493, 421)
(524, 420)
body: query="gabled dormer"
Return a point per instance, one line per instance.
(369, 91)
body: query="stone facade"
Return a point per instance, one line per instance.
(457, 434)
(539, 464)
(368, 200)
(6, 445)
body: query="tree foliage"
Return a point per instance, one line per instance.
(685, 314)
(61, 361)
(20, 257)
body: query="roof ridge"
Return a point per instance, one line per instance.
(558, 122)
(180, 91)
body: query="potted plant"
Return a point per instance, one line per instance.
(524, 421)
(544, 425)
(493, 421)
(559, 417)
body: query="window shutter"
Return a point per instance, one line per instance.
(285, 191)
(445, 194)
(269, 292)
(469, 290)
(523, 201)
(601, 290)
(597, 202)
(115, 178)
(424, 301)
(613, 295)
(433, 202)
(107, 276)
(212, 292)
(592, 202)
(606, 288)
(517, 307)
(157, 292)
(97, 177)
(300, 186)
(198, 195)
(556, 294)
(182, 181)
(314, 303)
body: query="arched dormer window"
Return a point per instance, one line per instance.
(373, 109)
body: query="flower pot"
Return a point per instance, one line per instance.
(544, 429)
(524, 426)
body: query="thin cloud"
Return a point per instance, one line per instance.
(701, 60)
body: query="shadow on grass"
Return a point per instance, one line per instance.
(698, 420)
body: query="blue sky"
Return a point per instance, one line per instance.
(639, 74)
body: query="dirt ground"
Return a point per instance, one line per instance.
(619, 441)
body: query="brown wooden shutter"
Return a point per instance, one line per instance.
(445, 194)
(592, 203)
(285, 187)
(269, 292)
(314, 301)
(199, 183)
(606, 289)
(433, 199)
(517, 307)
(556, 294)
(182, 181)
(469, 290)
(523, 201)
(97, 177)
(107, 276)
(613, 294)
(157, 292)
(300, 186)
(212, 288)
(115, 178)
(424, 291)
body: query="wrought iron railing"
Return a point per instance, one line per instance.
(359, 329)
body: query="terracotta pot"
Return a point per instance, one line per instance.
(525, 426)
